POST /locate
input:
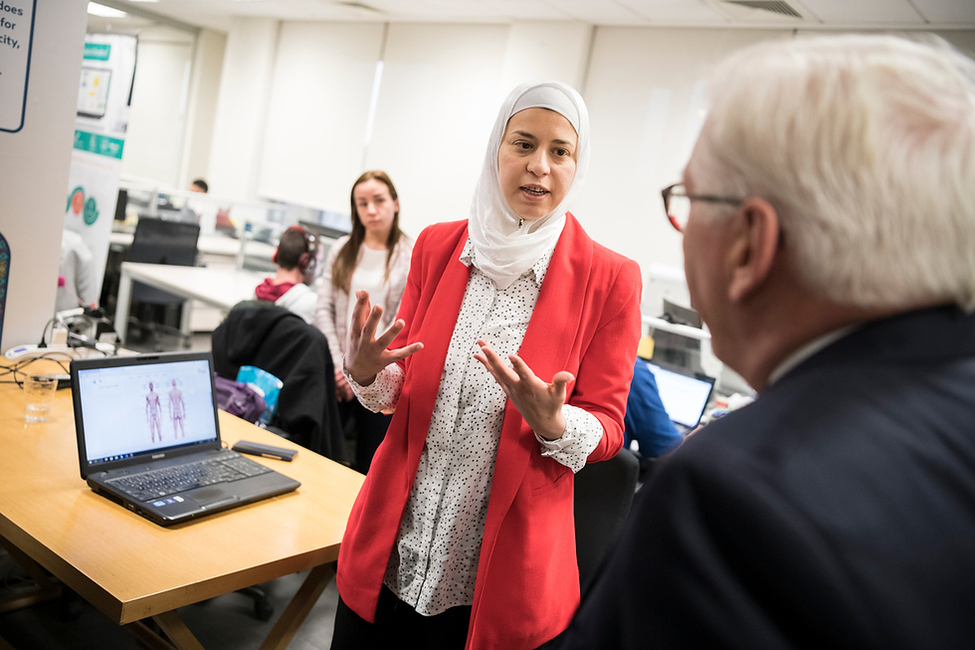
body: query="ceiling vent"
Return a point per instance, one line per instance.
(772, 6)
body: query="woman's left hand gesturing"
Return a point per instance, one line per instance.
(540, 403)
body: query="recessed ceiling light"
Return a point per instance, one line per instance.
(96, 9)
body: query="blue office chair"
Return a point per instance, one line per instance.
(158, 241)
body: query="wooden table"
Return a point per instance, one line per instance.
(132, 569)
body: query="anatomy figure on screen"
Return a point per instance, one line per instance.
(177, 411)
(153, 407)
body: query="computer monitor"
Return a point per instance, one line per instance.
(322, 232)
(681, 315)
(676, 349)
(121, 204)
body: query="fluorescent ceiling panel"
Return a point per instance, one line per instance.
(96, 9)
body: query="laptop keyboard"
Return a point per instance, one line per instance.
(170, 480)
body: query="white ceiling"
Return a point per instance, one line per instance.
(815, 14)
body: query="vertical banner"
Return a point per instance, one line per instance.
(16, 41)
(104, 93)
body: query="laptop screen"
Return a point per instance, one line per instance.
(684, 397)
(132, 409)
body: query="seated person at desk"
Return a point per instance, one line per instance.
(287, 288)
(646, 420)
(200, 185)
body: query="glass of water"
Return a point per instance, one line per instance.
(39, 390)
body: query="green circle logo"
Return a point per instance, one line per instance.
(91, 211)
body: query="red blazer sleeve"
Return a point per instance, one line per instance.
(587, 322)
(606, 365)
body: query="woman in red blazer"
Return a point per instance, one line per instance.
(463, 534)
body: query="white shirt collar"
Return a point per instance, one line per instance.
(538, 269)
(808, 350)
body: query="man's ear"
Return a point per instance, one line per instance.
(755, 247)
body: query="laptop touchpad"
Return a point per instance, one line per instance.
(210, 495)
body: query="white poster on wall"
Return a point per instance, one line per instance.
(104, 94)
(16, 40)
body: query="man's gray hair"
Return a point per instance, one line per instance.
(865, 145)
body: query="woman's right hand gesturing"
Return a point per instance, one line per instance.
(365, 354)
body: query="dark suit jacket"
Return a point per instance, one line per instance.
(280, 342)
(837, 511)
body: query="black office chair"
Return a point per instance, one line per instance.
(603, 496)
(280, 342)
(157, 241)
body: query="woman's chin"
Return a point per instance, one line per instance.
(531, 213)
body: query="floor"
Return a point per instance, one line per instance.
(224, 623)
(165, 342)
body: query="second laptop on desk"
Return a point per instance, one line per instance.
(684, 394)
(149, 438)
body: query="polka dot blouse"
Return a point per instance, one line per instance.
(434, 561)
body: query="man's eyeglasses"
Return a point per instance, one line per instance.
(677, 204)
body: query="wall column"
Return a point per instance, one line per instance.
(35, 164)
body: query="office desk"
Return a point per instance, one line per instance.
(220, 287)
(214, 245)
(130, 568)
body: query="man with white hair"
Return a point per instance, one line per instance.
(829, 242)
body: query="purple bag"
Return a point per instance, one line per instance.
(239, 399)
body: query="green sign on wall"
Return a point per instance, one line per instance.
(97, 51)
(100, 144)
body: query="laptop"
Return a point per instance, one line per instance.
(149, 438)
(684, 395)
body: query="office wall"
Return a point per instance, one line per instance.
(159, 102)
(174, 102)
(317, 113)
(434, 116)
(202, 106)
(646, 91)
(242, 101)
(440, 88)
(540, 50)
(646, 94)
(34, 170)
(438, 91)
(963, 40)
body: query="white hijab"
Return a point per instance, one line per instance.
(502, 250)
